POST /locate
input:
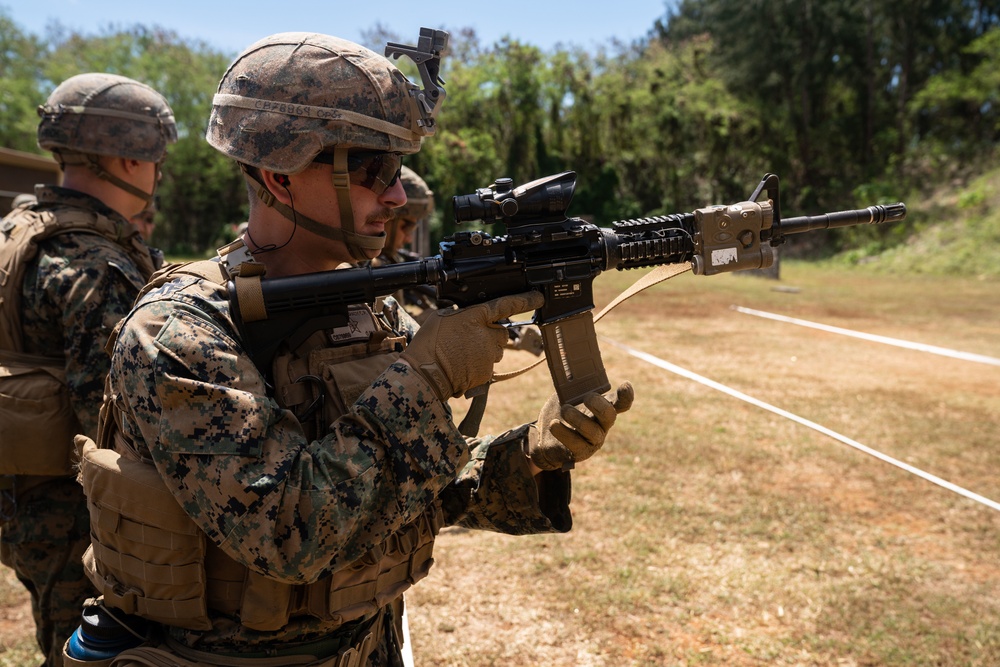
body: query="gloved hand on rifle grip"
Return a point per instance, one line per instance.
(455, 350)
(565, 434)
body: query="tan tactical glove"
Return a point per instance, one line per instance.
(565, 434)
(455, 350)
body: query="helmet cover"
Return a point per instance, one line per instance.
(419, 198)
(291, 96)
(107, 114)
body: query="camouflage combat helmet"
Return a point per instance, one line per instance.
(418, 207)
(292, 96)
(419, 198)
(98, 114)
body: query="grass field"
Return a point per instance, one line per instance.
(711, 532)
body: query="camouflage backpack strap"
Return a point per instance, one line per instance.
(24, 229)
(18, 246)
(21, 232)
(119, 232)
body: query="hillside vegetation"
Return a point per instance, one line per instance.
(955, 231)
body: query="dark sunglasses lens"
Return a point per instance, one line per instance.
(376, 171)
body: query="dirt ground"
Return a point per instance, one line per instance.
(712, 532)
(16, 624)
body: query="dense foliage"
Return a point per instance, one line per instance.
(850, 101)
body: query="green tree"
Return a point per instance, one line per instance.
(572, 132)
(841, 98)
(20, 94)
(490, 123)
(833, 80)
(784, 58)
(957, 112)
(673, 134)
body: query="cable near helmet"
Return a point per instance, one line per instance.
(93, 115)
(293, 98)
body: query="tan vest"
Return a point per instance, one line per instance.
(37, 422)
(149, 558)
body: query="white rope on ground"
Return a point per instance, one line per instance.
(666, 365)
(943, 351)
(407, 647)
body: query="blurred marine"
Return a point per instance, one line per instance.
(73, 264)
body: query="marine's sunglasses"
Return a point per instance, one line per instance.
(375, 170)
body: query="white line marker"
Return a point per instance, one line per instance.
(666, 365)
(943, 351)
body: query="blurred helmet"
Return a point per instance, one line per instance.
(106, 114)
(414, 213)
(291, 96)
(419, 198)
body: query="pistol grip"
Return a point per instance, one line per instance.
(574, 358)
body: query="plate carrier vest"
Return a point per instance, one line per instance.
(37, 422)
(149, 558)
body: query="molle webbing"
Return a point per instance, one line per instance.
(150, 558)
(147, 555)
(37, 420)
(319, 383)
(20, 235)
(372, 582)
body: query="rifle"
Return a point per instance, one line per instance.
(542, 250)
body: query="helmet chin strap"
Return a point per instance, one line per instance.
(392, 233)
(361, 247)
(93, 163)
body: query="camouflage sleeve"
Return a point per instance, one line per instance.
(399, 318)
(82, 286)
(241, 467)
(496, 491)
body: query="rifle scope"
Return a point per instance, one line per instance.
(542, 200)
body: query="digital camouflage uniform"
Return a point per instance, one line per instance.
(74, 293)
(88, 266)
(279, 503)
(292, 508)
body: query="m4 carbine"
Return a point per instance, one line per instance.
(542, 250)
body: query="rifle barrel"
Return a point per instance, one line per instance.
(872, 215)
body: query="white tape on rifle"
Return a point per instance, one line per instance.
(666, 365)
(943, 351)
